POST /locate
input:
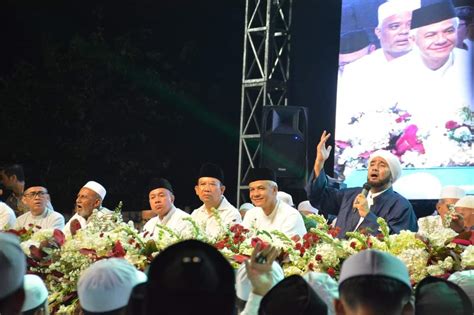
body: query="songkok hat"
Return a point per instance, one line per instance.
(464, 9)
(156, 183)
(325, 287)
(262, 173)
(285, 197)
(307, 207)
(243, 286)
(432, 11)
(464, 279)
(393, 7)
(293, 295)
(465, 202)
(436, 296)
(353, 41)
(106, 285)
(12, 264)
(35, 292)
(211, 170)
(454, 192)
(374, 263)
(96, 187)
(246, 206)
(193, 272)
(393, 163)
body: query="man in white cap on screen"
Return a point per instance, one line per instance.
(106, 286)
(355, 210)
(362, 84)
(12, 270)
(465, 210)
(90, 197)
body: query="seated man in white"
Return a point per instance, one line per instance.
(40, 214)
(90, 197)
(210, 190)
(161, 198)
(7, 217)
(270, 213)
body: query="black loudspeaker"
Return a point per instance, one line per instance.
(284, 141)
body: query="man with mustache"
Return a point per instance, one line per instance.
(90, 197)
(354, 210)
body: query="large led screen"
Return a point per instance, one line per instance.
(405, 84)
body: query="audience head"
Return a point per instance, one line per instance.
(465, 12)
(436, 296)
(325, 287)
(36, 296)
(244, 208)
(10, 175)
(465, 280)
(263, 188)
(12, 269)
(90, 197)
(36, 198)
(373, 282)
(106, 286)
(190, 277)
(448, 197)
(383, 170)
(210, 185)
(394, 19)
(292, 295)
(434, 30)
(465, 207)
(353, 45)
(285, 197)
(306, 208)
(160, 196)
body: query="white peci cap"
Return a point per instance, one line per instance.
(107, 284)
(455, 192)
(285, 197)
(35, 292)
(98, 188)
(12, 264)
(392, 7)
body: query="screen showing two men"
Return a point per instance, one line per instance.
(405, 84)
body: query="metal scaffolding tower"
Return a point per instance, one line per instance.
(265, 73)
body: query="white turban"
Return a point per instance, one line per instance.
(107, 284)
(392, 160)
(392, 7)
(98, 188)
(12, 264)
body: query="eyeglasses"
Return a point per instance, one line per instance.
(33, 194)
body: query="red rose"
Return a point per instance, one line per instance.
(451, 124)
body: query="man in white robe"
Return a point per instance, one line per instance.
(90, 197)
(7, 217)
(216, 213)
(161, 198)
(270, 213)
(40, 214)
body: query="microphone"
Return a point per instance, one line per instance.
(365, 191)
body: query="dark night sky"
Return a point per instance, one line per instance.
(120, 91)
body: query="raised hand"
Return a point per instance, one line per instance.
(322, 153)
(259, 268)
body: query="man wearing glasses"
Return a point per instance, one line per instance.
(41, 214)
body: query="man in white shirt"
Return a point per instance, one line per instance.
(40, 214)
(161, 198)
(361, 86)
(90, 197)
(270, 213)
(216, 213)
(440, 80)
(7, 217)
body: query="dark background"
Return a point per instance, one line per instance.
(122, 91)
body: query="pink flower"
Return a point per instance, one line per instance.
(451, 124)
(342, 144)
(409, 142)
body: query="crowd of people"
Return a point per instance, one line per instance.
(370, 282)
